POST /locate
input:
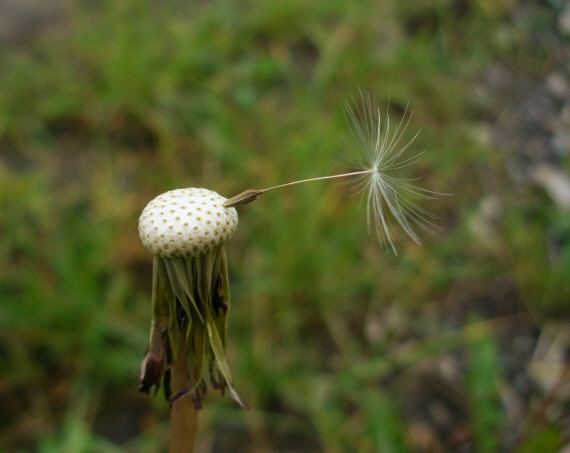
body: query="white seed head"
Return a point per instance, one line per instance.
(186, 222)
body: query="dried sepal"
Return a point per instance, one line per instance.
(190, 302)
(154, 363)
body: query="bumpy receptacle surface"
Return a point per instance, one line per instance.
(186, 222)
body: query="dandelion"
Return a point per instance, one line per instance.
(388, 197)
(186, 231)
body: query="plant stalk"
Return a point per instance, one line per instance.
(183, 414)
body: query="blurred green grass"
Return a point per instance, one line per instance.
(327, 330)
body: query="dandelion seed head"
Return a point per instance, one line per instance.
(183, 231)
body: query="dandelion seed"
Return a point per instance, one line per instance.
(388, 197)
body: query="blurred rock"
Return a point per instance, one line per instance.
(21, 21)
(558, 85)
(549, 367)
(561, 142)
(555, 182)
(485, 222)
(564, 21)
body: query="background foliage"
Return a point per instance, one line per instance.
(336, 344)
